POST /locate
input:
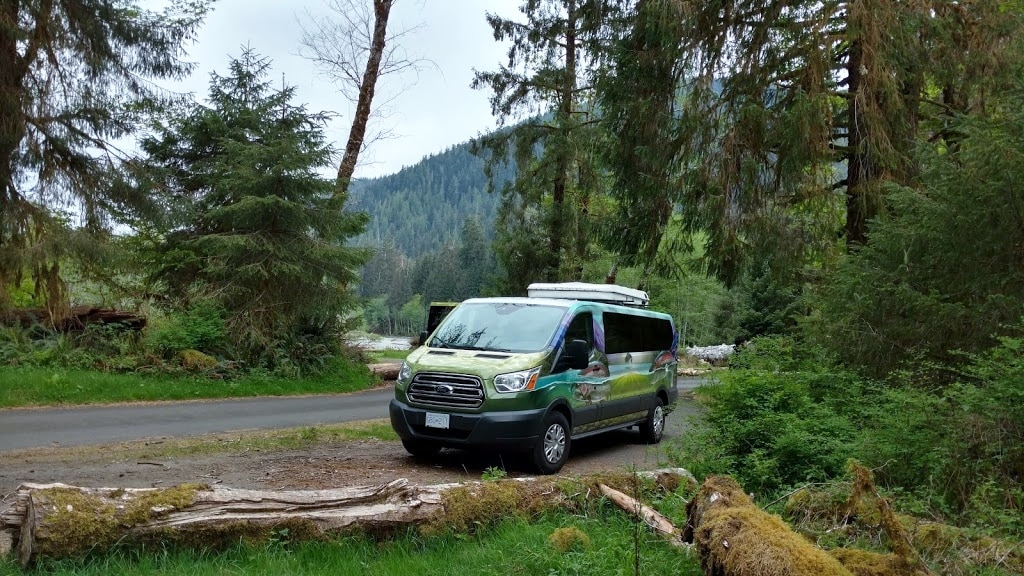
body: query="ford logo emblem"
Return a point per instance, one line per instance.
(443, 389)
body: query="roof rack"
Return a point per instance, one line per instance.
(606, 293)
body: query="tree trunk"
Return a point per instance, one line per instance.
(357, 133)
(736, 538)
(11, 132)
(859, 173)
(61, 521)
(563, 156)
(387, 370)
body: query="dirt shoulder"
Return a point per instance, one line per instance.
(332, 463)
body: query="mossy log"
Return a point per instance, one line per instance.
(734, 537)
(60, 521)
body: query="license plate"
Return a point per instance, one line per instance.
(437, 420)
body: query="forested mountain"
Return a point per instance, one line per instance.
(422, 206)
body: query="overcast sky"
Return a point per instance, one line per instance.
(439, 110)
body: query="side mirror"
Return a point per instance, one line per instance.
(423, 338)
(577, 354)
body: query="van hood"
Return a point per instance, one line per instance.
(483, 363)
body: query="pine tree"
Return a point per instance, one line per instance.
(942, 275)
(794, 114)
(257, 229)
(73, 74)
(474, 259)
(547, 78)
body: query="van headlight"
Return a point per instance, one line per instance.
(516, 381)
(404, 375)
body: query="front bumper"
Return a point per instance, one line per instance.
(512, 430)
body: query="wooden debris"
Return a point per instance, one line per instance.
(61, 520)
(656, 520)
(386, 371)
(74, 319)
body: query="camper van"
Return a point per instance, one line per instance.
(533, 374)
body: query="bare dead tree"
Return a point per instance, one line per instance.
(354, 48)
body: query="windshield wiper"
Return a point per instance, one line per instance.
(437, 342)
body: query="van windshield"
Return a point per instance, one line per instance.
(498, 326)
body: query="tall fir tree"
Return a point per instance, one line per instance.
(256, 228)
(544, 229)
(73, 76)
(794, 115)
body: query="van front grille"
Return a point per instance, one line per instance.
(448, 390)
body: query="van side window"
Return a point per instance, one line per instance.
(581, 328)
(627, 333)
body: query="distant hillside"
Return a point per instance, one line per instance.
(422, 206)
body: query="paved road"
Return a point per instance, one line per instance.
(32, 428)
(97, 425)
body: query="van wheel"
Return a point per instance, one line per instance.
(552, 449)
(420, 448)
(654, 427)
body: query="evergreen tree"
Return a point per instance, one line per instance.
(257, 230)
(548, 79)
(638, 96)
(943, 274)
(796, 113)
(474, 259)
(72, 75)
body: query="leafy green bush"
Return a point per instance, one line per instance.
(775, 429)
(985, 464)
(776, 418)
(905, 431)
(201, 327)
(98, 346)
(779, 418)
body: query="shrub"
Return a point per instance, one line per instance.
(200, 327)
(778, 417)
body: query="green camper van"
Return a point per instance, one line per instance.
(533, 374)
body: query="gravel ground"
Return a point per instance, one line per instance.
(348, 463)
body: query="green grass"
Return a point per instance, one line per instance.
(385, 355)
(512, 548)
(31, 386)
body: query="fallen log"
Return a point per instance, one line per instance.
(62, 520)
(74, 319)
(734, 537)
(386, 371)
(59, 521)
(654, 519)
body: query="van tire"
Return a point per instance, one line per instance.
(653, 429)
(421, 448)
(552, 448)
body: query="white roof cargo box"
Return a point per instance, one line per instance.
(609, 293)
